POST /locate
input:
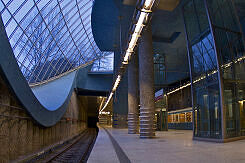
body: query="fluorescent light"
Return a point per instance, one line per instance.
(204, 76)
(116, 83)
(126, 57)
(140, 22)
(105, 113)
(242, 101)
(107, 102)
(148, 4)
(132, 43)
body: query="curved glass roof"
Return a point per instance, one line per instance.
(50, 37)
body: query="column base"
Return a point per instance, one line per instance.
(147, 127)
(133, 123)
(120, 121)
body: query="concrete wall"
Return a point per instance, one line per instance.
(20, 136)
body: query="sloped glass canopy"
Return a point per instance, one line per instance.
(50, 37)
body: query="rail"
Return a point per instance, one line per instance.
(78, 151)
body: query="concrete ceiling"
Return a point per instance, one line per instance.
(240, 7)
(168, 5)
(164, 25)
(104, 19)
(167, 29)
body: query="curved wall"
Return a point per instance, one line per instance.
(10, 71)
(49, 37)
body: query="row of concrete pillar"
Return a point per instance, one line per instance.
(141, 106)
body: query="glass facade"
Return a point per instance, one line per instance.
(104, 64)
(230, 51)
(50, 37)
(216, 57)
(204, 74)
(240, 8)
(159, 70)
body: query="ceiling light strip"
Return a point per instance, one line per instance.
(144, 14)
(227, 65)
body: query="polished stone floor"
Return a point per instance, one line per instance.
(174, 146)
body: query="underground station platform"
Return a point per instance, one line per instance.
(122, 81)
(116, 145)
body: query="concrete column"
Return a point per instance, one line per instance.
(120, 98)
(146, 82)
(133, 95)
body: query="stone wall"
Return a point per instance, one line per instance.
(21, 136)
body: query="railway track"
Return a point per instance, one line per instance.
(78, 151)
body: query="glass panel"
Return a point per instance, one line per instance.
(230, 48)
(159, 69)
(205, 87)
(51, 37)
(104, 64)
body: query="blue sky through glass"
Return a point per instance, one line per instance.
(50, 37)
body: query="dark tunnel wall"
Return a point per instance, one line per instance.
(21, 136)
(93, 111)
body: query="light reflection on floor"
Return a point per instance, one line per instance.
(177, 146)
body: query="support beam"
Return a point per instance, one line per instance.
(146, 80)
(133, 95)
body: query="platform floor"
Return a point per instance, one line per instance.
(174, 146)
